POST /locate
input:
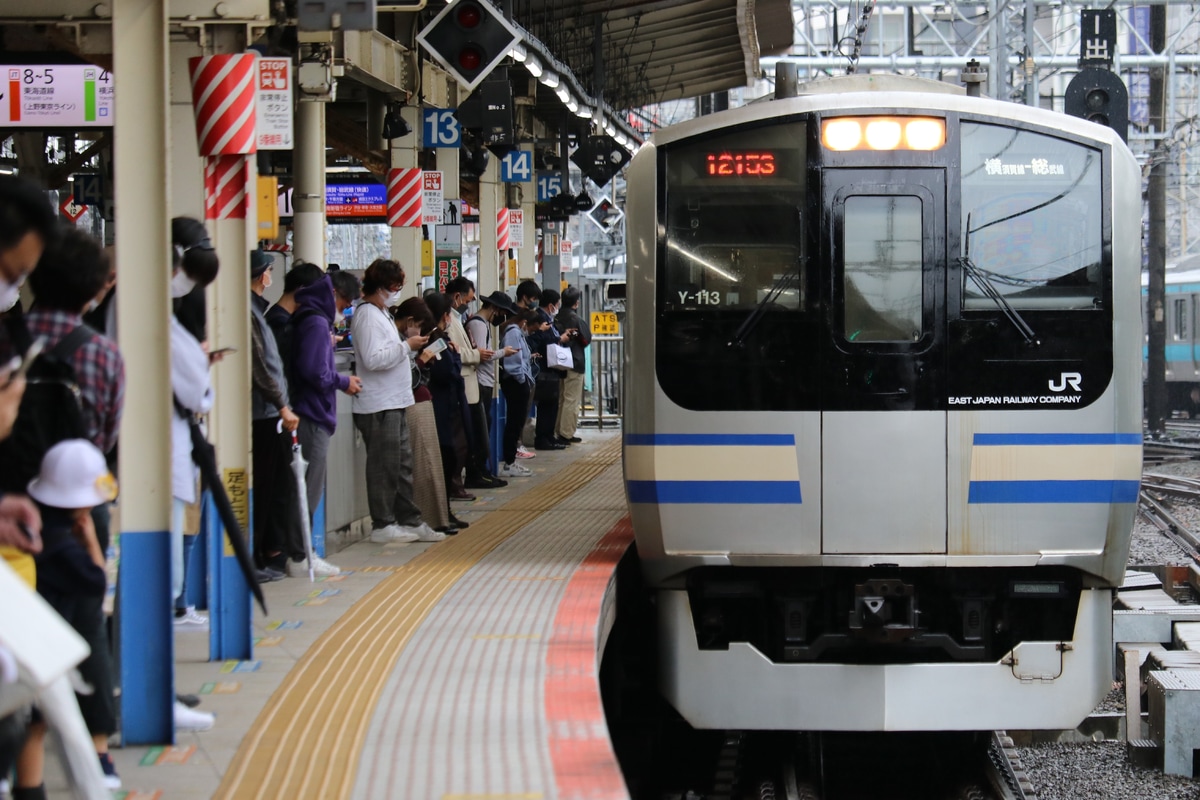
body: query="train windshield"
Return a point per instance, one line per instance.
(733, 285)
(1031, 220)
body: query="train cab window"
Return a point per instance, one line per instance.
(883, 269)
(735, 317)
(1032, 220)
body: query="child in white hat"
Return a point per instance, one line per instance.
(73, 479)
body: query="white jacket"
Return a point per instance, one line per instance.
(193, 389)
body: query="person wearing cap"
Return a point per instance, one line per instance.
(277, 532)
(494, 310)
(74, 478)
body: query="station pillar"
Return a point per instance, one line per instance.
(493, 263)
(141, 156)
(406, 241)
(527, 265)
(308, 193)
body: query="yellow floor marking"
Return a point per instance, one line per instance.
(308, 740)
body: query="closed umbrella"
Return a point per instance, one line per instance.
(300, 467)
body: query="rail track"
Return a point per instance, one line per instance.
(1154, 505)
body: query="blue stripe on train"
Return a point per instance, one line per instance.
(1053, 492)
(713, 491)
(993, 439)
(695, 439)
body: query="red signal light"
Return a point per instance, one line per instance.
(469, 16)
(469, 58)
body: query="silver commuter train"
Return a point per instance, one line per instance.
(1182, 335)
(883, 409)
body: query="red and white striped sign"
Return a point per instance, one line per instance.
(404, 198)
(225, 182)
(223, 96)
(502, 229)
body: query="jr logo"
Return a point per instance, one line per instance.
(1072, 379)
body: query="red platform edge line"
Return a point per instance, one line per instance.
(580, 751)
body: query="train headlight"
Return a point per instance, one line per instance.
(925, 134)
(883, 133)
(841, 134)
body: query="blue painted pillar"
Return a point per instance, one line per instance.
(229, 630)
(497, 430)
(318, 528)
(146, 636)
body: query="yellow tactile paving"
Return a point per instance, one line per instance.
(308, 739)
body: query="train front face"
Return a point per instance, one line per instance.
(883, 414)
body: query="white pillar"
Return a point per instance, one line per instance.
(527, 266)
(308, 194)
(406, 242)
(141, 153)
(492, 263)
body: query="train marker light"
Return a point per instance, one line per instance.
(883, 133)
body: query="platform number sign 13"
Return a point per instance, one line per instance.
(441, 129)
(549, 184)
(516, 167)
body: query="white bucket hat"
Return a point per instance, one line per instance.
(74, 475)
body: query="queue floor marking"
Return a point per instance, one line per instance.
(163, 756)
(324, 706)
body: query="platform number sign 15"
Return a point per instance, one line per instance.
(549, 184)
(517, 167)
(441, 129)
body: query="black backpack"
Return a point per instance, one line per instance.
(51, 410)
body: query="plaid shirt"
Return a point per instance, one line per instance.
(99, 371)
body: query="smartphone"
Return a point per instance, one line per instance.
(35, 350)
(436, 347)
(222, 351)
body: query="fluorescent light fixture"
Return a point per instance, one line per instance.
(584, 112)
(609, 128)
(572, 106)
(549, 79)
(534, 66)
(518, 53)
(563, 93)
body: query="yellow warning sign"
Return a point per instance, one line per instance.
(604, 323)
(237, 486)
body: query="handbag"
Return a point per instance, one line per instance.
(559, 357)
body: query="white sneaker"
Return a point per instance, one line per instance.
(428, 534)
(515, 470)
(191, 621)
(189, 719)
(321, 568)
(394, 534)
(523, 453)
(407, 533)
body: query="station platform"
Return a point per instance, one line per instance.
(458, 670)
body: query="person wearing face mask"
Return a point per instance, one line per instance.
(384, 362)
(194, 265)
(313, 382)
(545, 393)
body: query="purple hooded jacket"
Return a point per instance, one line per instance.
(316, 379)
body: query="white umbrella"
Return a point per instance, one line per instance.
(300, 467)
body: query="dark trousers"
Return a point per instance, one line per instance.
(477, 459)
(516, 403)
(276, 510)
(545, 394)
(85, 613)
(389, 468)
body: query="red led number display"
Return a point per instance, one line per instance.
(756, 163)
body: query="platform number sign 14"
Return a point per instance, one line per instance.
(441, 129)
(549, 184)
(517, 167)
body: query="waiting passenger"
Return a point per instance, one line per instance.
(570, 394)
(383, 362)
(494, 310)
(449, 398)
(517, 383)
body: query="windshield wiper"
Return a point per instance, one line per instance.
(784, 282)
(980, 278)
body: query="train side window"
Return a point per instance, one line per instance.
(1180, 329)
(882, 269)
(1032, 219)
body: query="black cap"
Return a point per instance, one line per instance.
(501, 301)
(260, 262)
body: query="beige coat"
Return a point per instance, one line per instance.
(468, 353)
